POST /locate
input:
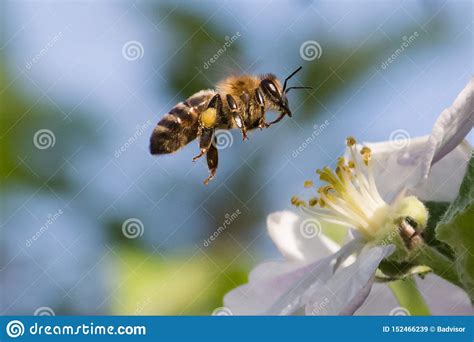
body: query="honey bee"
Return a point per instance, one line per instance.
(237, 102)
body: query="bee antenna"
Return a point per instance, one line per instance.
(287, 90)
(292, 74)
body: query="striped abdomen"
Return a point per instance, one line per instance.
(179, 127)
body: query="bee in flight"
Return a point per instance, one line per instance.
(237, 102)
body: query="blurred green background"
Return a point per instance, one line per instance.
(82, 85)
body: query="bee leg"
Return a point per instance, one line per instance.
(204, 142)
(245, 98)
(240, 123)
(212, 161)
(207, 121)
(239, 120)
(278, 119)
(261, 103)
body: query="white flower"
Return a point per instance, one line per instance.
(372, 187)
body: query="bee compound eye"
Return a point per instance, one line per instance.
(231, 102)
(270, 88)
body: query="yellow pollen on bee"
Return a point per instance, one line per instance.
(209, 117)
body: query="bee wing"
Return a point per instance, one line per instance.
(180, 125)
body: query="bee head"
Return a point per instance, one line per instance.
(277, 94)
(274, 92)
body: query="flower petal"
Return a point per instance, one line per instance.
(451, 127)
(395, 167)
(287, 230)
(277, 288)
(347, 290)
(446, 176)
(409, 165)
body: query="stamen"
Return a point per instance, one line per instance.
(350, 141)
(366, 154)
(297, 202)
(350, 196)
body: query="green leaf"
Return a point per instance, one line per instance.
(437, 211)
(456, 229)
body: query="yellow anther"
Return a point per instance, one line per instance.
(294, 200)
(366, 154)
(350, 141)
(301, 204)
(326, 189)
(313, 201)
(351, 164)
(297, 202)
(308, 184)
